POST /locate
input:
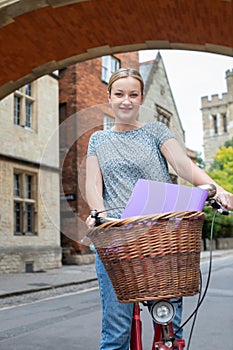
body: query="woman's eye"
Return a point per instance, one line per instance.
(134, 95)
(118, 94)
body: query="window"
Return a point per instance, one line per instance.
(28, 186)
(163, 115)
(17, 218)
(16, 185)
(28, 114)
(224, 122)
(215, 123)
(28, 89)
(24, 203)
(108, 122)
(23, 106)
(109, 65)
(17, 110)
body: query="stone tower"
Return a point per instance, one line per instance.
(217, 116)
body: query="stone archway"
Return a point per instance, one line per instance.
(38, 37)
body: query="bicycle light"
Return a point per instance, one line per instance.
(163, 312)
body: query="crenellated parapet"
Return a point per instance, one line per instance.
(214, 100)
(219, 100)
(229, 73)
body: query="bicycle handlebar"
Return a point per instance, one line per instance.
(211, 201)
(99, 220)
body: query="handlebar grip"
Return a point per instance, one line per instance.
(94, 213)
(100, 220)
(216, 205)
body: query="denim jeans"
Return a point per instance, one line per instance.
(117, 317)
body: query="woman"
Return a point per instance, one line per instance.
(117, 158)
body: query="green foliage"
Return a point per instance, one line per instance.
(229, 143)
(223, 225)
(199, 161)
(222, 172)
(222, 168)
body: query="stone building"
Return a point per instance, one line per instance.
(29, 178)
(217, 117)
(159, 103)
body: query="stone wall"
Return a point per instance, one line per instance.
(33, 151)
(219, 243)
(35, 259)
(218, 107)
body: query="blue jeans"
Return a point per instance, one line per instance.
(117, 317)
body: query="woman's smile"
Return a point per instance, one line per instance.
(126, 109)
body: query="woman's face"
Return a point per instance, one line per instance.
(126, 99)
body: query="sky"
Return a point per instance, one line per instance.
(192, 75)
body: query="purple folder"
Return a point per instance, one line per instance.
(152, 197)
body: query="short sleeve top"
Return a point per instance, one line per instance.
(125, 157)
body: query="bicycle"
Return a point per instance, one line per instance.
(161, 308)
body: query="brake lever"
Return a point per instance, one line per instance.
(218, 206)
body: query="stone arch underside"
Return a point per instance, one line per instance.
(38, 37)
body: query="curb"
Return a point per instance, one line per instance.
(55, 286)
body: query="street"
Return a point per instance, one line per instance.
(70, 318)
(215, 319)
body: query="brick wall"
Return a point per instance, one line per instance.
(83, 98)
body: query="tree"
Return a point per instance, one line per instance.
(229, 143)
(222, 168)
(222, 172)
(199, 161)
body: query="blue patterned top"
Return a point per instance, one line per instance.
(124, 157)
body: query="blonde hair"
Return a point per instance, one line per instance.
(124, 73)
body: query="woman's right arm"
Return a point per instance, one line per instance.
(94, 187)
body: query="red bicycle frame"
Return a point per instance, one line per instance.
(136, 330)
(161, 334)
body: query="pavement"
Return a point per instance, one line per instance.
(67, 275)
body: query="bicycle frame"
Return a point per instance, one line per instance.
(136, 331)
(163, 334)
(160, 344)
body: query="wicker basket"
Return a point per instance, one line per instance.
(151, 257)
